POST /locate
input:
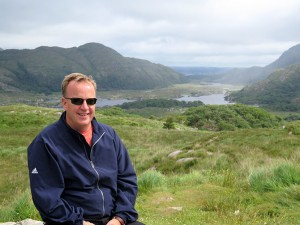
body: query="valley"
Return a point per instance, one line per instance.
(192, 88)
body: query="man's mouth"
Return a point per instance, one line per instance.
(83, 114)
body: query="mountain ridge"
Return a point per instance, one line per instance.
(42, 69)
(251, 75)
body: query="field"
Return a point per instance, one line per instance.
(249, 176)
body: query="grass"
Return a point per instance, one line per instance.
(248, 176)
(275, 177)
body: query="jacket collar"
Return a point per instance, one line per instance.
(98, 130)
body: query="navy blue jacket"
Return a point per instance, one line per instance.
(71, 181)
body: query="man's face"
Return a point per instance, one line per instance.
(79, 117)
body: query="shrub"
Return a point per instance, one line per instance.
(229, 117)
(294, 127)
(169, 124)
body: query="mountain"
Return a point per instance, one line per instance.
(42, 69)
(253, 74)
(289, 57)
(193, 71)
(279, 91)
(237, 76)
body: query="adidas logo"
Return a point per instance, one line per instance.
(34, 171)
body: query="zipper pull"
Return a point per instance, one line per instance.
(92, 164)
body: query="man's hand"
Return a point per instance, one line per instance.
(114, 222)
(87, 223)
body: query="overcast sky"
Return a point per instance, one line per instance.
(231, 33)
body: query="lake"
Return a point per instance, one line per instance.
(213, 99)
(107, 102)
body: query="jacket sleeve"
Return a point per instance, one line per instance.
(47, 185)
(127, 185)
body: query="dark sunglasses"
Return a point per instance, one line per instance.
(79, 101)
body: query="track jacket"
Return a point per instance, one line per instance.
(70, 180)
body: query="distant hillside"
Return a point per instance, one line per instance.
(280, 91)
(42, 69)
(193, 71)
(253, 74)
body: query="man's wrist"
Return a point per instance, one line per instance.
(119, 219)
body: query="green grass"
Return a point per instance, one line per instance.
(275, 177)
(249, 176)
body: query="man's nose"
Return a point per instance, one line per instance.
(84, 105)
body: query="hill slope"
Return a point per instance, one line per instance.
(280, 91)
(254, 74)
(249, 176)
(43, 68)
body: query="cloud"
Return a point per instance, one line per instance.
(171, 32)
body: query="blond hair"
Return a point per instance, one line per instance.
(78, 77)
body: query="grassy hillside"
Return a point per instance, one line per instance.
(247, 176)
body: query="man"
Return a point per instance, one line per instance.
(80, 171)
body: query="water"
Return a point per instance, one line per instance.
(107, 102)
(216, 99)
(213, 99)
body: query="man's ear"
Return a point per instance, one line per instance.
(64, 103)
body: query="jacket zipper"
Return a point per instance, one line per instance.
(97, 173)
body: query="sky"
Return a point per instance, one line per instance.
(209, 33)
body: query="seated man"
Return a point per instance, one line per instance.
(80, 171)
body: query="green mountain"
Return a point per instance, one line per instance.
(254, 74)
(280, 91)
(42, 69)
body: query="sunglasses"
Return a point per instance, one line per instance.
(79, 101)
